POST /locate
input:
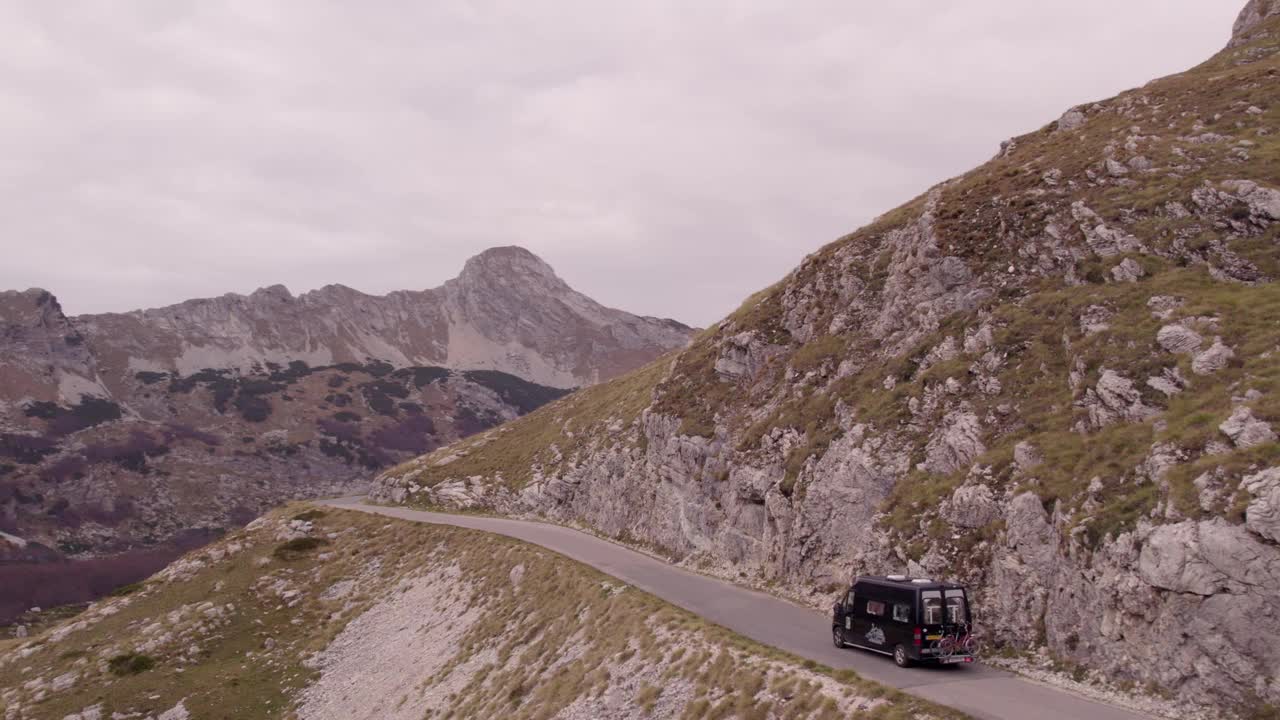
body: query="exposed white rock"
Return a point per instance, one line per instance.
(739, 355)
(1245, 430)
(362, 668)
(1071, 120)
(1026, 457)
(64, 681)
(177, 712)
(1179, 339)
(1164, 385)
(979, 339)
(1113, 399)
(1163, 306)
(956, 443)
(1262, 516)
(1128, 271)
(1140, 163)
(1095, 319)
(1104, 240)
(971, 506)
(1212, 360)
(1251, 17)
(1206, 558)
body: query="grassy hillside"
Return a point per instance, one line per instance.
(326, 613)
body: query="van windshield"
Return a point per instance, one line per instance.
(956, 607)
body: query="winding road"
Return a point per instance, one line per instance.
(980, 691)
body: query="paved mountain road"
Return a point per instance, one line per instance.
(981, 691)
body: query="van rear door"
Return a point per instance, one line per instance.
(932, 616)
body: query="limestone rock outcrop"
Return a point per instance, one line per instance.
(1050, 378)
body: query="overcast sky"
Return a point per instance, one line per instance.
(668, 158)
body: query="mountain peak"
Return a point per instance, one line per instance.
(507, 265)
(1254, 14)
(273, 291)
(37, 297)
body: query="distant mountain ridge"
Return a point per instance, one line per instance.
(507, 310)
(122, 434)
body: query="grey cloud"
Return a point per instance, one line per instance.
(667, 158)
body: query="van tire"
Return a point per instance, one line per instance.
(837, 636)
(900, 657)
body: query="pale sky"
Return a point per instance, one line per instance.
(667, 158)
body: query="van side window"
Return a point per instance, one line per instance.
(875, 607)
(902, 613)
(848, 601)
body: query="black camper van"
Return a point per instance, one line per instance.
(912, 619)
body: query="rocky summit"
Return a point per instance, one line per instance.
(1054, 378)
(127, 438)
(506, 311)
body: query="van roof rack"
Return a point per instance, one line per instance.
(904, 580)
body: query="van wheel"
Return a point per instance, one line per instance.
(837, 636)
(900, 657)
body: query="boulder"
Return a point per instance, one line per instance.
(1263, 202)
(1212, 360)
(1026, 457)
(1165, 385)
(64, 681)
(1127, 271)
(1179, 339)
(1140, 163)
(1262, 516)
(955, 444)
(1071, 120)
(1095, 319)
(738, 356)
(1114, 399)
(1245, 430)
(1163, 306)
(971, 506)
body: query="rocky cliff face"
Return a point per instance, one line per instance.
(43, 355)
(1054, 378)
(1252, 18)
(120, 434)
(507, 311)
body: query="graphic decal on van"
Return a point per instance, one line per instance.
(876, 635)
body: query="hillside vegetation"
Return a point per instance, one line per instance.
(321, 613)
(1054, 377)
